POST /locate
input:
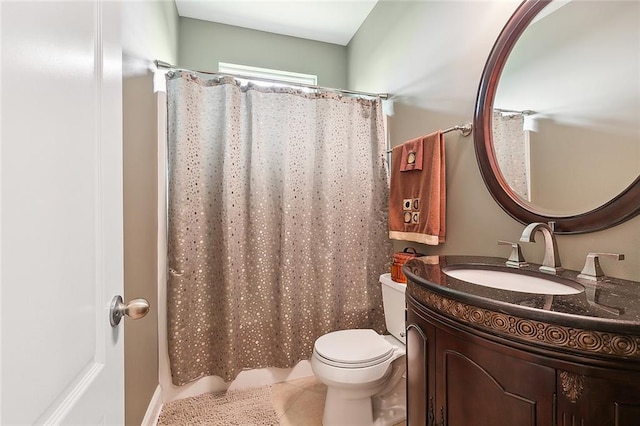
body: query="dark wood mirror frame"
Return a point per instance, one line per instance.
(622, 207)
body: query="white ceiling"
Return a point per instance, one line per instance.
(330, 21)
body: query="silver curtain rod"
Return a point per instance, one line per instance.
(523, 112)
(168, 66)
(465, 129)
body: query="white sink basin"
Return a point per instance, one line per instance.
(505, 280)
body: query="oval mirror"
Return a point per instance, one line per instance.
(557, 118)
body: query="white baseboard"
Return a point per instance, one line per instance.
(153, 410)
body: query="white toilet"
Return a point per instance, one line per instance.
(363, 370)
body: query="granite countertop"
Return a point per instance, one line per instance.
(610, 306)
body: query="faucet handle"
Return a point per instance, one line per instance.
(516, 259)
(592, 270)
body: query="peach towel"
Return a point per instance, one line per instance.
(417, 198)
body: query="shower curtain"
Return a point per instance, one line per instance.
(511, 146)
(277, 223)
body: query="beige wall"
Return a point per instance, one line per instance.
(150, 31)
(203, 44)
(430, 55)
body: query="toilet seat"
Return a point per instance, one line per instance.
(353, 348)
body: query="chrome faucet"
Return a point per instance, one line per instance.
(592, 270)
(551, 263)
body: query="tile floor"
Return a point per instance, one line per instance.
(300, 402)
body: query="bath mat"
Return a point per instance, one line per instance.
(245, 407)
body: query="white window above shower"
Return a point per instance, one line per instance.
(267, 76)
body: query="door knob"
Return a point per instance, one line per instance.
(135, 309)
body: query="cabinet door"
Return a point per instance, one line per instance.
(420, 371)
(488, 387)
(598, 400)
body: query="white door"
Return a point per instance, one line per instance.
(61, 213)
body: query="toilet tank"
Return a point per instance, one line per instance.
(394, 306)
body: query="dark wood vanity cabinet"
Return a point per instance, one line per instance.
(484, 387)
(421, 338)
(456, 381)
(457, 378)
(598, 397)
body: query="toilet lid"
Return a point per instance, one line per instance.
(355, 347)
